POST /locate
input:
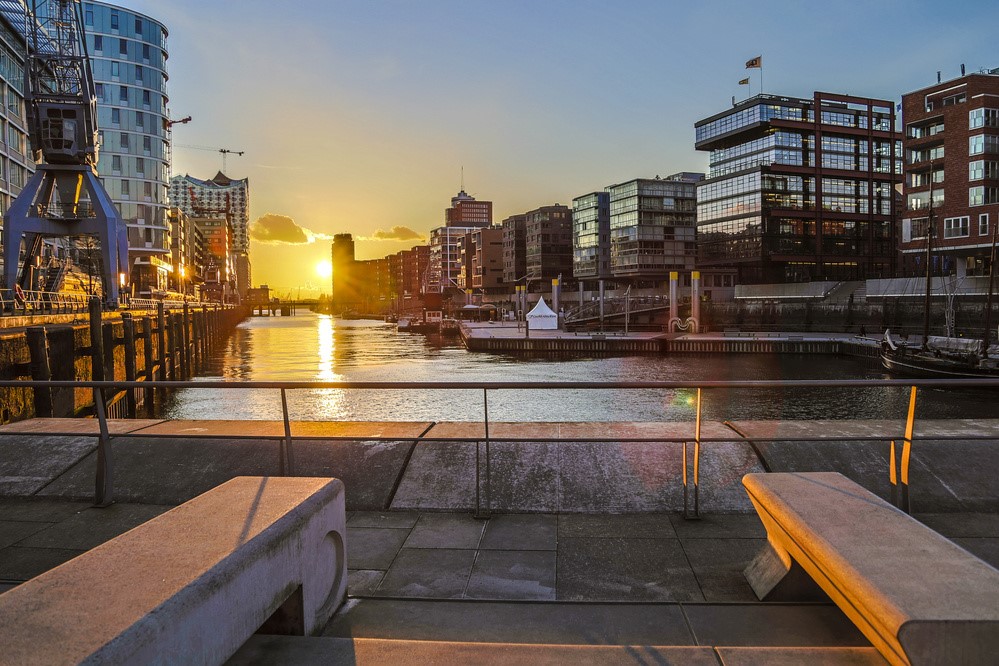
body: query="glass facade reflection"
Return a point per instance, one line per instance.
(128, 52)
(795, 192)
(15, 158)
(591, 236)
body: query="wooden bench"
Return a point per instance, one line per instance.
(918, 597)
(193, 584)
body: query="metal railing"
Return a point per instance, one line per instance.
(900, 446)
(13, 302)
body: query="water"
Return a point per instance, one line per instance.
(310, 347)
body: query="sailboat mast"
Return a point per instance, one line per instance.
(988, 299)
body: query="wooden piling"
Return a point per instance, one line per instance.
(185, 338)
(40, 370)
(161, 340)
(128, 335)
(147, 371)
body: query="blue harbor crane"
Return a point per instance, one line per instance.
(64, 198)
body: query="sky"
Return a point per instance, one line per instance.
(359, 116)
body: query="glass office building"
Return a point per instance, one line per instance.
(652, 227)
(799, 189)
(128, 52)
(591, 236)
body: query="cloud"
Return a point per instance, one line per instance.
(397, 233)
(282, 230)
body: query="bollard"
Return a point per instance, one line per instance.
(40, 370)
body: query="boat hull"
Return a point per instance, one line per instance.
(922, 365)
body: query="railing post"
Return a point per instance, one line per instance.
(900, 495)
(286, 450)
(103, 480)
(697, 468)
(480, 511)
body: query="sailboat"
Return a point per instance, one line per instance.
(945, 357)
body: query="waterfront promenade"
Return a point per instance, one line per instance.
(582, 545)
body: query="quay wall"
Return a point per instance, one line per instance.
(168, 344)
(902, 315)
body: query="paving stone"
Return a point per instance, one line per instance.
(624, 569)
(785, 656)
(373, 548)
(984, 548)
(19, 564)
(393, 519)
(718, 565)
(642, 525)
(432, 573)
(94, 526)
(30, 462)
(440, 475)
(962, 524)
(719, 525)
(446, 530)
(12, 532)
(520, 532)
(513, 574)
(798, 625)
(363, 581)
(39, 510)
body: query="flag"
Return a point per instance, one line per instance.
(744, 82)
(755, 62)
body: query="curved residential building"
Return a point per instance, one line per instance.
(128, 51)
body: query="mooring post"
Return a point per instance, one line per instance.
(147, 370)
(161, 340)
(40, 370)
(128, 335)
(171, 346)
(96, 347)
(185, 338)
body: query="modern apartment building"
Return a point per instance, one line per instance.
(951, 175)
(800, 189)
(465, 215)
(548, 242)
(514, 249)
(220, 196)
(591, 236)
(652, 227)
(128, 52)
(16, 163)
(486, 260)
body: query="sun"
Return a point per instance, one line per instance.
(324, 269)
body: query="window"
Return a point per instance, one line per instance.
(979, 196)
(147, 145)
(956, 227)
(88, 17)
(146, 98)
(983, 143)
(980, 169)
(147, 190)
(115, 70)
(145, 51)
(126, 189)
(116, 163)
(140, 166)
(122, 47)
(138, 26)
(98, 42)
(140, 120)
(983, 224)
(138, 73)
(114, 20)
(983, 118)
(123, 93)
(123, 141)
(115, 116)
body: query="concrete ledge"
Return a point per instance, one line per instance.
(191, 585)
(918, 597)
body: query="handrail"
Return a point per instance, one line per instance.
(899, 463)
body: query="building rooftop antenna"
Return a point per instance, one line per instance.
(462, 188)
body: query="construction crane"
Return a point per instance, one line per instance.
(64, 197)
(224, 151)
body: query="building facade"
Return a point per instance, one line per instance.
(799, 189)
(465, 215)
(548, 242)
(128, 53)
(653, 228)
(514, 249)
(486, 261)
(220, 196)
(591, 236)
(16, 163)
(951, 175)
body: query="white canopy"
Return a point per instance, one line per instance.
(542, 317)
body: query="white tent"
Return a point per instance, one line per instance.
(542, 317)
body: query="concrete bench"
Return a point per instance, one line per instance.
(918, 597)
(193, 584)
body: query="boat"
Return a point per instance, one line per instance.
(450, 327)
(945, 357)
